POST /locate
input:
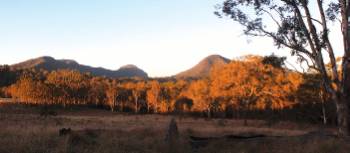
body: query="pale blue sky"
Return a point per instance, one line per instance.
(163, 37)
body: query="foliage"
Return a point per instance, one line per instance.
(248, 84)
(302, 27)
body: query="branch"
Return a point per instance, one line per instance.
(295, 69)
(303, 26)
(300, 49)
(269, 13)
(328, 44)
(308, 64)
(319, 57)
(313, 19)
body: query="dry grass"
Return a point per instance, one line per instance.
(24, 131)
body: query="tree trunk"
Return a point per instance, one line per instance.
(122, 106)
(148, 107)
(324, 115)
(345, 93)
(208, 112)
(156, 107)
(341, 94)
(136, 104)
(345, 89)
(245, 116)
(112, 105)
(343, 117)
(342, 114)
(323, 100)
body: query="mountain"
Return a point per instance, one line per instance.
(203, 68)
(131, 70)
(50, 64)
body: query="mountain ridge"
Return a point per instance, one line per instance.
(49, 63)
(201, 69)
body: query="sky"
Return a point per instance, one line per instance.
(162, 37)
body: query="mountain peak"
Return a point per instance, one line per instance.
(47, 58)
(129, 66)
(131, 70)
(214, 56)
(203, 68)
(34, 62)
(41, 59)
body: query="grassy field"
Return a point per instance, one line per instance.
(23, 130)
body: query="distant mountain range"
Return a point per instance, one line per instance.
(202, 69)
(50, 64)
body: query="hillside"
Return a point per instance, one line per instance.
(130, 70)
(202, 69)
(50, 64)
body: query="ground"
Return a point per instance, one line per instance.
(23, 130)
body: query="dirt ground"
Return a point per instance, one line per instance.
(23, 130)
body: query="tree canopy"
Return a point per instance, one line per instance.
(302, 27)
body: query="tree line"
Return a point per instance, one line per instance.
(250, 84)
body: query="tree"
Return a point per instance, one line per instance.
(7, 76)
(30, 90)
(311, 93)
(165, 98)
(199, 91)
(183, 104)
(137, 90)
(24, 90)
(249, 84)
(124, 96)
(72, 86)
(97, 94)
(275, 61)
(111, 94)
(302, 27)
(153, 96)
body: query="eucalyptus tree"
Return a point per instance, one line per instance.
(303, 27)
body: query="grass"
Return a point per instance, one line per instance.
(24, 131)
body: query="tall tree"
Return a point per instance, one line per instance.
(153, 94)
(111, 94)
(97, 94)
(199, 91)
(249, 83)
(137, 90)
(302, 26)
(24, 90)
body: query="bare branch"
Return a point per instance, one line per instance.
(271, 16)
(313, 19)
